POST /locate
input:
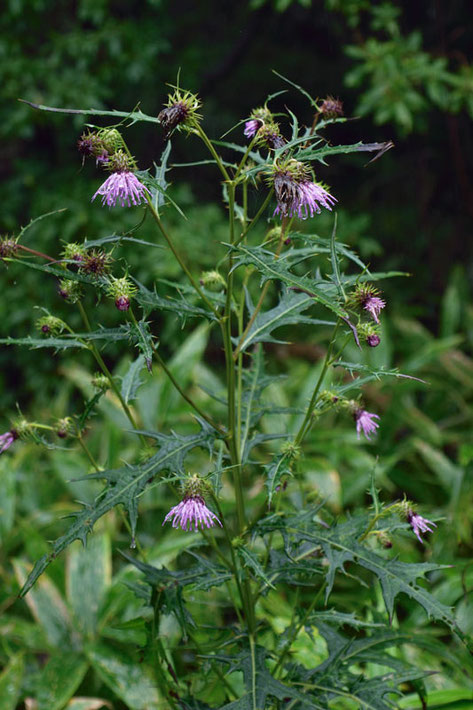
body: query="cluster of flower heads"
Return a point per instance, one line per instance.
(192, 513)
(122, 187)
(95, 262)
(262, 127)
(296, 193)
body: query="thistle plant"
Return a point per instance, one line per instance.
(263, 533)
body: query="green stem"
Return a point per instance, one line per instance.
(88, 454)
(263, 292)
(36, 253)
(245, 156)
(255, 218)
(201, 133)
(179, 259)
(108, 374)
(305, 426)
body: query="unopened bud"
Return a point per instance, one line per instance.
(331, 108)
(70, 291)
(64, 427)
(122, 291)
(74, 252)
(100, 382)
(8, 247)
(213, 281)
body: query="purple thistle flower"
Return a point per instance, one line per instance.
(374, 305)
(7, 439)
(300, 198)
(190, 513)
(419, 524)
(122, 187)
(365, 422)
(251, 127)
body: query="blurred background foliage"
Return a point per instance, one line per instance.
(404, 72)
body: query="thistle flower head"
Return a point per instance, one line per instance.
(70, 291)
(122, 291)
(331, 108)
(90, 144)
(121, 188)
(96, 262)
(296, 194)
(192, 513)
(365, 422)
(180, 111)
(50, 325)
(367, 297)
(8, 247)
(7, 439)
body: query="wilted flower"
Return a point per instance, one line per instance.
(7, 439)
(367, 297)
(181, 110)
(192, 512)
(8, 247)
(331, 108)
(365, 422)
(296, 193)
(96, 262)
(419, 524)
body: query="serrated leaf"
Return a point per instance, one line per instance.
(143, 338)
(150, 300)
(132, 380)
(59, 679)
(123, 487)
(250, 560)
(10, 683)
(36, 343)
(340, 545)
(278, 270)
(133, 116)
(287, 312)
(275, 470)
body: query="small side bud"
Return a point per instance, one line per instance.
(50, 325)
(64, 427)
(122, 290)
(90, 144)
(384, 539)
(22, 428)
(291, 450)
(370, 334)
(100, 382)
(213, 281)
(74, 252)
(70, 291)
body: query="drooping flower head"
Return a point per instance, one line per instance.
(369, 332)
(296, 194)
(367, 297)
(365, 422)
(419, 524)
(122, 187)
(122, 290)
(258, 118)
(331, 108)
(180, 111)
(192, 513)
(50, 325)
(7, 439)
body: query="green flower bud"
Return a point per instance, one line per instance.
(50, 325)
(213, 281)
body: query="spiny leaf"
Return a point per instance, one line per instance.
(275, 470)
(141, 334)
(278, 270)
(133, 116)
(250, 560)
(340, 545)
(35, 343)
(150, 300)
(132, 380)
(123, 487)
